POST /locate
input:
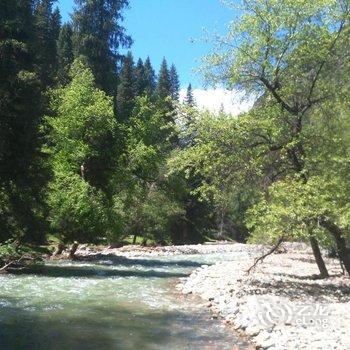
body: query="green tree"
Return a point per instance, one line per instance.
(140, 79)
(189, 98)
(21, 175)
(144, 198)
(64, 53)
(174, 83)
(293, 62)
(220, 168)
(79, 143)
(150, 77)
(163, 89)
(47, 25)
(98, 35)
(125, 99)
(56, 20)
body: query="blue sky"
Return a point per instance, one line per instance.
(171, 28)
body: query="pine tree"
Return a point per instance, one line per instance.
(125, 98)
(164, 85)
(55, 28)
(64, 53)
(189, 98)
(150, 77)
(47, 24)
(98, 34)
(20, 171)
(174, 82)
(56, 20)
(140, 81)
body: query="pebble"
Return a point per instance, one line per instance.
(269, 303)
(283, 283)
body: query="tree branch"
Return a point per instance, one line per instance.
(271, 251)
(277, 96)
(319, 70)
(11, 263)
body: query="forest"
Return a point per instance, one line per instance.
(96, 147)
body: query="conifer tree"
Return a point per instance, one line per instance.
(98, 35)
(174, 82)
(47, 24)
(164, 85)
(64, 53)
(20, 171)
(55, 25)
(55, 28)
(140, 81)
(125, 93)
(150, 77)
(189, 98)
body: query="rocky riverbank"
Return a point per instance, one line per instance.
(281, 304)
(137, 250)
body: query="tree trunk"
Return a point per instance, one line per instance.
(134, 239)
(185, 239)
(340, 242)
(72, 250)
(60, 248)
(318, 257)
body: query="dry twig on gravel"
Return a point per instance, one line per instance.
(271, 251)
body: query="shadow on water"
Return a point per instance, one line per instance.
(85, 271)
(63, 270)
(110, 259)
(83, 318)
(121, 328)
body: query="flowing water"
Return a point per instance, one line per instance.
(108, 304)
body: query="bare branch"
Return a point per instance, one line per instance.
(271, 251)
(15, 261)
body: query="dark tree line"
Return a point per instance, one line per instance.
(140, 79)
(56, 80)
(36, 51)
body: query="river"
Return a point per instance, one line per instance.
(109, 304)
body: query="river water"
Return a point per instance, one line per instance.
(108, 304)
